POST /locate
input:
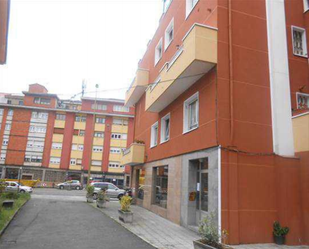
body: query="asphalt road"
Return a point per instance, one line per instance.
(67, 222)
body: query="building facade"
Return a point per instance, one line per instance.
(43, 137)
(214, 96)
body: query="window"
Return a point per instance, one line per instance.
(120, 108)
(54, 160)
(20, 102)
(160, 186)
(117, 121)
(167, 4)
(60, 116)
(39, 115)
(99, 107)
(302, 100)
(299, 41)
(99, 134)
(42, 101)
(190, 4)
(1, 112)
(80, 147)
(2, 157)
(97, 148)
(113, 165)
(5, 141)
(80, 118)
(165, 128)
(35, 145)
(169, 34)
(306, 5)
(73, 161)
(79, 162)
(158, 52)
(7, 127)
(9, 102)
(10, 112)
(119, 136)
(191, 113)
(115, 150)
(57, 146)
(38, 129)
(154, 135)
(74, 147)
(96, 163)
(100, 120)
(33, 159)
(81, 133)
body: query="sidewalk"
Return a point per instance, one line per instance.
(164, 234)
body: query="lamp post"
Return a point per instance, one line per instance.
(93, 127)
(19, 176)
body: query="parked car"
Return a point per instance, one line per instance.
(15, 186)
(112, 191)
(74, 184)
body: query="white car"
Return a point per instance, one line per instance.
(14, 187)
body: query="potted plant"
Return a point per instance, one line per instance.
(125, 214)
(102, 198)
(280, 233)
(90, 191)
(208, 230)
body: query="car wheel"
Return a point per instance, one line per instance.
(22, 191)
(77, 188)
(95, 196)
(120, 196)
(61, 187)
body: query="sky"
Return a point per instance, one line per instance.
(59, 43)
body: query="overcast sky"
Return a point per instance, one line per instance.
(58, 43)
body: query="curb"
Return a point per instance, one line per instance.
(9, 222)
(122, 224)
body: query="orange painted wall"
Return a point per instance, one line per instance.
(299, 73)
(258, 190)
(48, 138)
(18, 137)
(67, 140)
(88, 142)
(106, 147)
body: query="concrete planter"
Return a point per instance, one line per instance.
(101, 204)
(90, 199)
(125, 217)
(199, 245)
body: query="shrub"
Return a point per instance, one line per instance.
(102, 196)
(90, 190)
(11, 195)
(2, 186)
(280, 231)
(125, 203)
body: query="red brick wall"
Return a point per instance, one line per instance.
(29, 101)
(18, 137)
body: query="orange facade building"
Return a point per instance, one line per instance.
(43, 137)
(214, 97)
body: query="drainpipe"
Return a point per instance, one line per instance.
(231, 74)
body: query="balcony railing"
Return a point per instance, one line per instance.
(194, 58)
(133, 155)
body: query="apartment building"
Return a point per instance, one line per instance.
(4, 27)
(43, 137)
(214, 96)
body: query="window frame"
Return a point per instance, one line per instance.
(187, 102)
(169, 28)
(297, 95)
(163, 139)
(304, 41)
(306, 5)
(158, 57)
(153, 139)
(189, 11)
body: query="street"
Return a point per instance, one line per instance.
(61, 219)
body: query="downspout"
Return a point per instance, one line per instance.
(231, 75)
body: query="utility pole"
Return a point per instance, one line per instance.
(93, 127)
(83, 87)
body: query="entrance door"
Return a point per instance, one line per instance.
(202, 190)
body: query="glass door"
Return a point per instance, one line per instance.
(202, 191)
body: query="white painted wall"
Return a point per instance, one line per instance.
(279, 78)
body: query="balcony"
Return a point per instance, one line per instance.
(138, 87)
(301, 131)
(194, 58)
(133, 155)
